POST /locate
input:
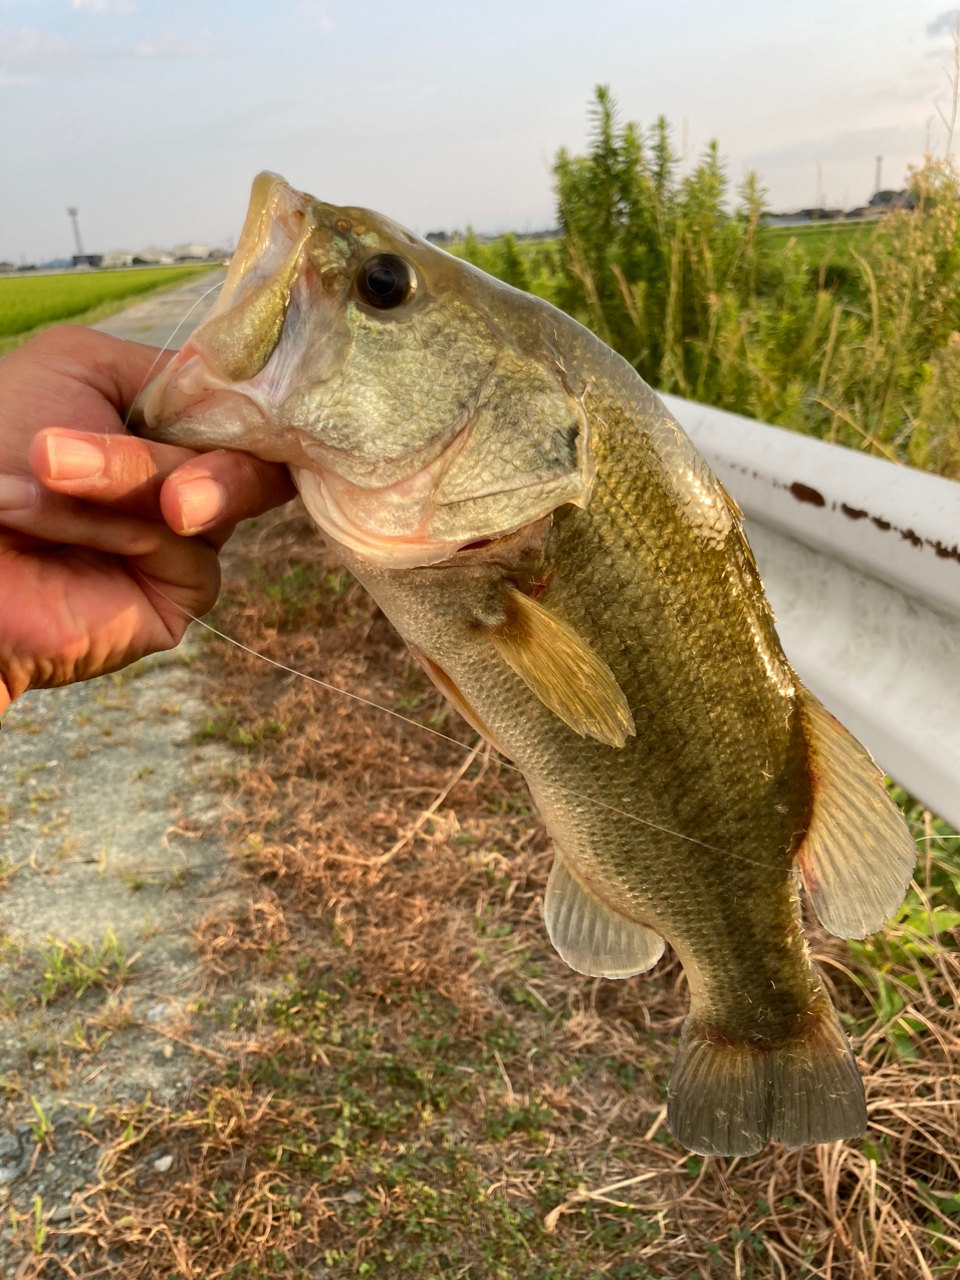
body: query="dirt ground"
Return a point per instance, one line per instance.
(112, 850)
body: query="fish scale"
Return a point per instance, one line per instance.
(577, 582)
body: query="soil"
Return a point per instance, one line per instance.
(115, 832)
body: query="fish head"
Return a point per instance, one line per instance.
(421, 405)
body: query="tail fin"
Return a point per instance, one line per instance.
(731, 1099)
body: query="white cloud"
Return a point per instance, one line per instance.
(852, 145)
(14, 77)
(165, 45)
(26, 44)
(944, 24)
(105, 6)
(31, 50)
(313, 16)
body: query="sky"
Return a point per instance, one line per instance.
(153, 116)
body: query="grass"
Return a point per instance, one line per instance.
(72, 968)
(31, 303)
(410, 1082)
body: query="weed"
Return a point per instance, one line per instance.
(71, 968)
(43, 1125)
(851, 333)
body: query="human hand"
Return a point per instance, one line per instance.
(114, 521)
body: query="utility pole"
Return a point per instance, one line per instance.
(876, 185)
(76, 231)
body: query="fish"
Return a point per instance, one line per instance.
(577, 582)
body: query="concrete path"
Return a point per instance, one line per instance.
(155, 320)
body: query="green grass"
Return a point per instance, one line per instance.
(31, 303)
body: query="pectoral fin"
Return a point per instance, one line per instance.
(562, 670)
(858, 856)
(590, 937)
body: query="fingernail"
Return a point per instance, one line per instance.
(16, 493)
(200, 502)
(70, 459)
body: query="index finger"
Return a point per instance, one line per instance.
(114, 368)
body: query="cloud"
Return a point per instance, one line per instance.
(33, 50)
(313, 16)
(26, 44)
(944, 24)
(105, 6)
(165, 45)
(852, 146)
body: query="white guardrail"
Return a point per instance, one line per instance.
(860, 560)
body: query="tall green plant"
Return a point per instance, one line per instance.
(709, 303)
(652, 259)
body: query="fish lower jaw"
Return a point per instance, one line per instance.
(333, 504)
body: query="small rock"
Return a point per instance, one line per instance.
(62, 1213)
(168, 1050)
(163, 1164)
(352, 1196)
(14, 1156)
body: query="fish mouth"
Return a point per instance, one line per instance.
(398, 459)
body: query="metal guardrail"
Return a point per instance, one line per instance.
(860, 559)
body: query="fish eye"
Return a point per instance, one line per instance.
(386, 281)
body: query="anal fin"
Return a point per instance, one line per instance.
(562, 670)
(590, 937)
(858, 855)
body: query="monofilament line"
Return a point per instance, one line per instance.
(376, 706)
(146, 377)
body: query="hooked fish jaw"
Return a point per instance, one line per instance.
(413, 424)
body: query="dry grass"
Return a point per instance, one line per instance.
(427, 1089)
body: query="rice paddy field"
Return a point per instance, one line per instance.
(29, 302)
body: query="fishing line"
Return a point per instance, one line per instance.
(376, 706)
(146, 378)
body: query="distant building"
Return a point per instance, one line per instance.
(195, 250)
(7, 266)
(881, 203)
(154, 257)
(117, 258)
(438, 237)
(87, 259)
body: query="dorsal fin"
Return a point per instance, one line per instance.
(590, 937)
(562, 670)
(858, 855)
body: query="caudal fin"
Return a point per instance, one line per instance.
(732, 1099)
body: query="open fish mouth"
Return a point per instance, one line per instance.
(317, 354)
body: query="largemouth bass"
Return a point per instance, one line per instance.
(577, 582)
